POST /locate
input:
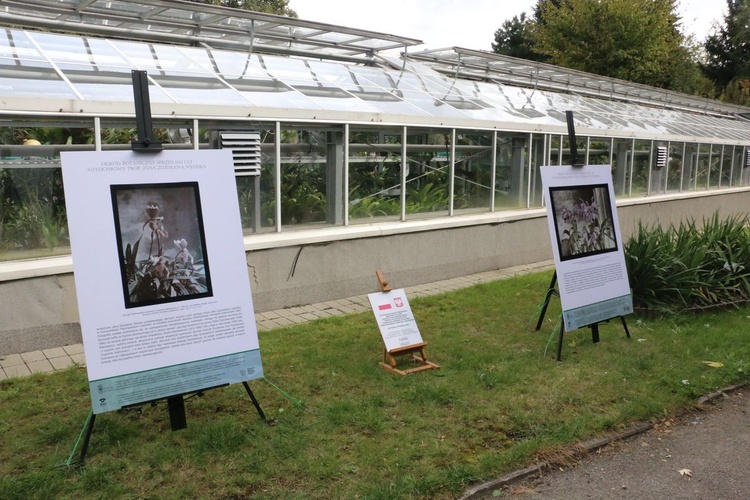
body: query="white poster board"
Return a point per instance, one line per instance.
(586, 244)
(160, 273)
(395, 319)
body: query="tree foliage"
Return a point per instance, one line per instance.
(280, 7)
(728, 53)
(515, 39)
(634, 40)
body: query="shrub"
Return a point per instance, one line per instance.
(690, 267)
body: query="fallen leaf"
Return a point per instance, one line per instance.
(686, 472)
(714, 364)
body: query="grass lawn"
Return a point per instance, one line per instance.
(499, 401)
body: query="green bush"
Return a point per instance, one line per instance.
(690, 267)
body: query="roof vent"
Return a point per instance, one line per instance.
(245, 148)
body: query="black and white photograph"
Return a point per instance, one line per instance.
(583, 220)
(161, 243)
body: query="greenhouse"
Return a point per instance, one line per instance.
(354, 150)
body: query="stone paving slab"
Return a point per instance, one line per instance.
(33, 356)
(42, 366)
(17, 370)
(59, 358)
(10, 360)
(73, 349)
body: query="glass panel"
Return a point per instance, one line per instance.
(33, 222)
(245, 73)
(385, 99)
(511, 183)
(374, 76)
(179, 75)
(555, 148)
(94, 67)
(311, 176)
(714, 176)
(726, 166)
(690, 167)
(95, 53)
(25, 73)
(538, 158)
(621, 166)
(567, 158)
(473, 171)
(599, 151)
(675, 164)
(738, 169)
(121, 133)
(701, 178)
(32, 213)
(374, 174)
(639, 184)
(428, 160)
(427, 95)
(299, 75)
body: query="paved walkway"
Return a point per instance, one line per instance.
(701, 454)
(58, 358)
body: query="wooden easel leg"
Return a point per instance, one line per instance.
(415, 353)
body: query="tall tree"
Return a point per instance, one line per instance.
(514, 39)
(280, 7)
(728, 53)
(635, 40)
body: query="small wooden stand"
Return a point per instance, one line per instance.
(416, 351)
(389, 359)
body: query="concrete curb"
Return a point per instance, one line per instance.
(588, 447)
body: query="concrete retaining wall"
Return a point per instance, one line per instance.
(41, 312)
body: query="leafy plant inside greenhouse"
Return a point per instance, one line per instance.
(32, 198)
(691, 266)
(32, 209)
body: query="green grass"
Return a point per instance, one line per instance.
(496, 404)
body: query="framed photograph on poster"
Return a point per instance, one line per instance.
(161, 242)
(583, 220)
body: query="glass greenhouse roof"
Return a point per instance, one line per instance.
(480, 65)
(186, 23)
(451, 87)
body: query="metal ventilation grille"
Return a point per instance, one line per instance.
(661, 156)
(245, 148)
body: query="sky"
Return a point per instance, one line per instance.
(469, 24)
